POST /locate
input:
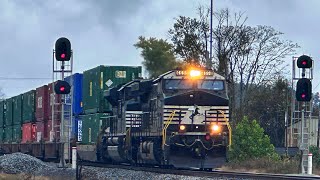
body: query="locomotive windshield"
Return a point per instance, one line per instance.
(178, 84)
(215, 85)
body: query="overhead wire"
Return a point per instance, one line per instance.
(23, 78)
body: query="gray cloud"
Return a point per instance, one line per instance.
(104, 31)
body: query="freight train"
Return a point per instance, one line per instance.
(30, 122)
(179, 119)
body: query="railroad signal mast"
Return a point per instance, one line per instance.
(302, 105)
(62, 67)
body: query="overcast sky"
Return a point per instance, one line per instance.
(104, 31)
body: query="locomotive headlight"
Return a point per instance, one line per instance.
(195, 73)
(215, 127)
(182, 127)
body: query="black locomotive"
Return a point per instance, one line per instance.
(179, 119)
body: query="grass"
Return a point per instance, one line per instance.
(265, 165)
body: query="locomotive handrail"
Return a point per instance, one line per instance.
(164, 130)
(229, 127)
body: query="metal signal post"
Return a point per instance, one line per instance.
(62, 67)
(301, 106)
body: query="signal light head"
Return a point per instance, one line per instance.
(62, 87)
(63, 49)
(304, 90)
(304, 62)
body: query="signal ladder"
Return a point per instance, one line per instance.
(300, 116)
(62, 69)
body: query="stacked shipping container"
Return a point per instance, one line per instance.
(2, 119)
(76, 82)
(29, 106)
(42, 107)
(92, 124)
(28, 117)
(8, 120)
(17, 118)
(95, 106)
(2, 113)
(54, 101)
(101, 78)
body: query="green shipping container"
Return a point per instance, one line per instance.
(92, 124)
(2, 113)
(16, 133)
(9, 112)
(8, 134)
(28, 106)
(101, 78)
(1, 134)
(17, 110)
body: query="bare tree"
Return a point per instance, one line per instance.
(248, 55)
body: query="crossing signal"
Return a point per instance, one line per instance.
(62, 87)
(304, 90)
(63, 49)
(304, 62)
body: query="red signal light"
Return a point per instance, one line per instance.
(304, 62)
(62, 88)
(304, 90)
(63, 49)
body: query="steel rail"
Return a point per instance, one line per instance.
(199, 173)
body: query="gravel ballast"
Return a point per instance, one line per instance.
(25, 166)
(19, 163)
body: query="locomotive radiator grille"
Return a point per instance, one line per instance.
(209, 113)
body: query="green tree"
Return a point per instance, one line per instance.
(249, 141)
(316, 104)
(268, 103)
(315, 151)
(189, 37)
(158, 55)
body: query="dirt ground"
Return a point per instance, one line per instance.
(29, 177)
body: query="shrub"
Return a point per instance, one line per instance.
(249, 142)
(315, 155)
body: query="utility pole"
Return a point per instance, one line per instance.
(208, 55)
(211, 21)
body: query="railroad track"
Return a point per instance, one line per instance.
(195, 173)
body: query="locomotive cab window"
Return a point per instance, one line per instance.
(215, 85)
(172, 84)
